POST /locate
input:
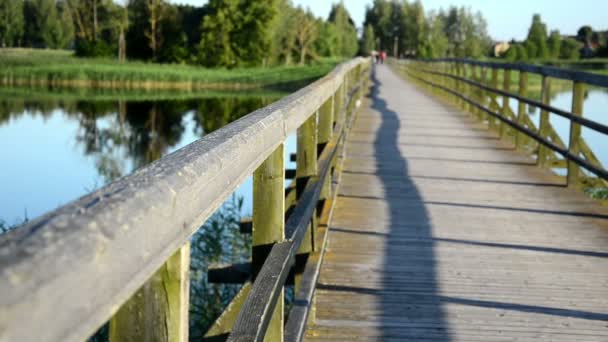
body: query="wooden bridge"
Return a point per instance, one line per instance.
(422, 208)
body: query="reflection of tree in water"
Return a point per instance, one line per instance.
(213, 113)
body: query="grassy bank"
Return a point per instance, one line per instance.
(60, 69)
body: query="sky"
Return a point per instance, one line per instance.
(506, 19)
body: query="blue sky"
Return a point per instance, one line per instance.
(506, 19)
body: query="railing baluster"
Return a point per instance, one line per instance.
(493, 99)
(504, 112)
(521, 108)
(325, 132)
(544, 124)
(306, 167)
(578, 98)
(483, 96)
(158, 311)
(269, 223)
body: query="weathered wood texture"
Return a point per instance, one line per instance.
(443, 232)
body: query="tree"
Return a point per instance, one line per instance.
(237, 32)
(537, 39)
(521, 53)
(436, 41)
(306, 34)
(346, 34)
(217, 47)
(554, 44)
(368, 41)
(11, 22)
(569, 49)
(96, 32)
(155, 13)
(584, 34)
(283, 38)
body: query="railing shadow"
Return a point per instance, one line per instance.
(410, 297)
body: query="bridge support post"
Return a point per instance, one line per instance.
(521, 108)
(158, 311)
(578, 98)
(543, 127)
(324, 133)
(504, 112)
(306, 167)
(462, 86)
(483, 94)
(477, 92)
(453, 82)
(493, 99)
(269, 224)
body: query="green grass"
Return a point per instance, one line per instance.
(60, 67)
(598, 193)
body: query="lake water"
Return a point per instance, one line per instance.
(55, 149)
(595, 108)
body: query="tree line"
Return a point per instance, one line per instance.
(402, 28)
(541, 45)
(222, 33)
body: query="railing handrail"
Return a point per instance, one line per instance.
(594, 125)
(569, 153)
(554, 72)
(65, 273)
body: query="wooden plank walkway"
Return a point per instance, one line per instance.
(442, 232)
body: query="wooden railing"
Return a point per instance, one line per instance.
(467, 84)
(122, 252)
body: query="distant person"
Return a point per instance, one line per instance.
(382, 56)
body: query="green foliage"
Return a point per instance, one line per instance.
(598, 193)
(584, 34)
(522, 53)
(92, 48)
(456, 32)
(537, 39)
(569, 49)
(30, 64)
(554, 44)
(368, 41)
(11, 22)
(346, 43)
(237, 33)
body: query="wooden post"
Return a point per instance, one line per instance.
(493, 99)
(504, 112)
(578, 98)
(482, 93)
(325, 133)
(338, 103)
(269, 224)
(544, 124)
(306, 167)
(461, 86)
(521, 108)
(477, 94)
(158, 311)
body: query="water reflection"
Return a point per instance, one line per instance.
(82, 145)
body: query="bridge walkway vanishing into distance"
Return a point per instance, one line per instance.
(441, 231)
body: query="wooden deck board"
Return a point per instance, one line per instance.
(442, 232)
